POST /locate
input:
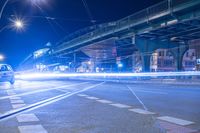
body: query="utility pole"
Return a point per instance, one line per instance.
(74, 55)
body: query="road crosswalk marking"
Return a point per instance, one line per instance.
(120, 105)
(175, 120)
(92, 98)
(103, 101)
(27, 118)
(142, 111)
(15, 106)
(17, 101)
(14, 98)
(32, 129)
(82, 95)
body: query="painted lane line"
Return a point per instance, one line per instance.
(16, 101)
(16, 106)
(63, 90)
(82, 95)
(27, 118)
(104, 101)
(38, 91)
(11, 93)
(31, 86)
(92, 98)
(15, 98)
(32, 129)
(175, 120)
(43, 103)
(142, 111)
(140, 101)
(120, 105)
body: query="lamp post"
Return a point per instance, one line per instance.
(1, 57)
(16, 24)
(19, 24)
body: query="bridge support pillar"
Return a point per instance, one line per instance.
(178, 54)
(146, 63)
(147, 47)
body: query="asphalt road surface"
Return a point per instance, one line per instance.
(98, 107)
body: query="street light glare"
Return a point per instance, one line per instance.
(19, 24)
(1, 57)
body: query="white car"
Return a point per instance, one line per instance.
(6, 73)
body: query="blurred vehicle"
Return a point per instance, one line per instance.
(6, 73)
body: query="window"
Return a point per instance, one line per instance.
(160, 54)
(187, 54)
(193, 54)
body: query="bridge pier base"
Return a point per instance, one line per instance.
(178, 54)
(147, 47)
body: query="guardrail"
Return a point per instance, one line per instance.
(143, 16)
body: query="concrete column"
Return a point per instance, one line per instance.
(146, 63)
(147, 47)
(179, 53)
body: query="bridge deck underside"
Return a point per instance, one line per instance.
(180, 32)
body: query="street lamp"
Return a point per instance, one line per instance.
(18, 24)
(1, 57)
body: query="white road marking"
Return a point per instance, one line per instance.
(15, 98)
(16, 106)
(140, 101)
(11, 93)
(82, 95)
(120, 105)
(43, 103)
(27, 118)
(175, 120)
(103, 101)
(16, 101)
(38, 91)
(32, 129)
(63, 90)
(142, 111)
(92, 98)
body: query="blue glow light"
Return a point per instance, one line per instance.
(120, 65)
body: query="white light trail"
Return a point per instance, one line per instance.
(105, 75)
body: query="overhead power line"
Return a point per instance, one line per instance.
(88, 12)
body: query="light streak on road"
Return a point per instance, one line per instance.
(104, 75)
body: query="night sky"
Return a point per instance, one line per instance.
(70, 15)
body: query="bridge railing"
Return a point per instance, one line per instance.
(143, 16)
(179, 2)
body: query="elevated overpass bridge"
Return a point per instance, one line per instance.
(169, 24)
